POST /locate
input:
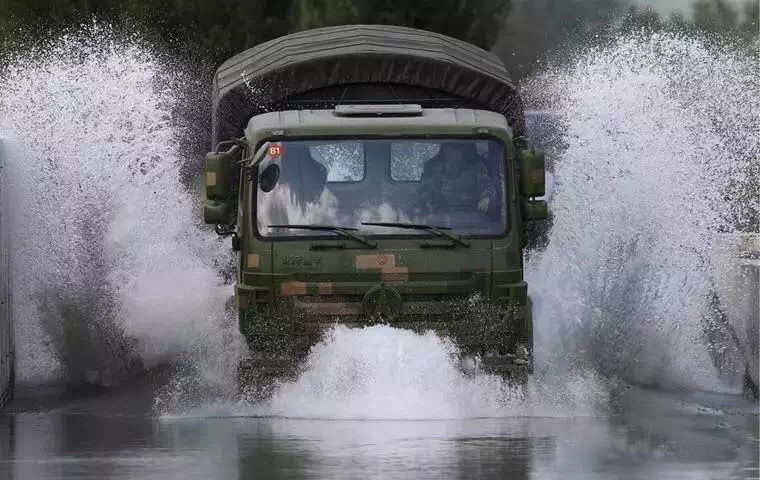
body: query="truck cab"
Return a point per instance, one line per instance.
(390, 191)
(401, 215)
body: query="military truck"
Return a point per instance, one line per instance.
(374, 174)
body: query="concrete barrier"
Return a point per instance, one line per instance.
(736, 264)
(6, 325)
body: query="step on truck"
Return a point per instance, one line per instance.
(374, 174)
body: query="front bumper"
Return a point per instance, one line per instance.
(490, 336)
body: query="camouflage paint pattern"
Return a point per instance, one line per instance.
(284, 285)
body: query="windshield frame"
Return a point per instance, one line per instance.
(508, 195)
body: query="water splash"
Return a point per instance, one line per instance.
(661, 136)
(110, 270)
(385, 373)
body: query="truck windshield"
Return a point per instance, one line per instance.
(453, 184)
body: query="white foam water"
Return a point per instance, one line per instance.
(661, 139)
(110, 265)
(384, 373)
(110, 270)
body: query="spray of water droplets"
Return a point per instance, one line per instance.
(661, 148)
(385, 373)
(657, 151)
(111, 270)
(111, 273)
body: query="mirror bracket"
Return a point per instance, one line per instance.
(249, 163)
(532, 172)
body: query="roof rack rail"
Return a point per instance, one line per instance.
(389, 110)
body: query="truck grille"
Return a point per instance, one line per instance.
(351, 305)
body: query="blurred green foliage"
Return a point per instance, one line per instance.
(221, 28)
(476, 21)
(541, 31)
(535, 28)
(521, 32)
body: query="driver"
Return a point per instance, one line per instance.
(305, 176)
(457, 180)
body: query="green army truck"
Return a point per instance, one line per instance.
(374, 174)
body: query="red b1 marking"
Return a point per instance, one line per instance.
(276, 150)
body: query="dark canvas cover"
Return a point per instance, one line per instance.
(264, 76)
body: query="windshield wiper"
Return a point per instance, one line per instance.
(342, 231)
(417, 226)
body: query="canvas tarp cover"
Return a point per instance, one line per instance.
(257, 79)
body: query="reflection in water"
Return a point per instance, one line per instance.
(465, 449)
(655, 436)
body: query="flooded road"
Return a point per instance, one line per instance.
(50, 433)
(112, 273)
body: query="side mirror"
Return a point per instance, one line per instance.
(532, 172)
(249, 164)
(218, 208)
(218, 166)
(534, 210)
(268, 178)
(217, 212)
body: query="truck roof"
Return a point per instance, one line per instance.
(350, 63)
(429, 122)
